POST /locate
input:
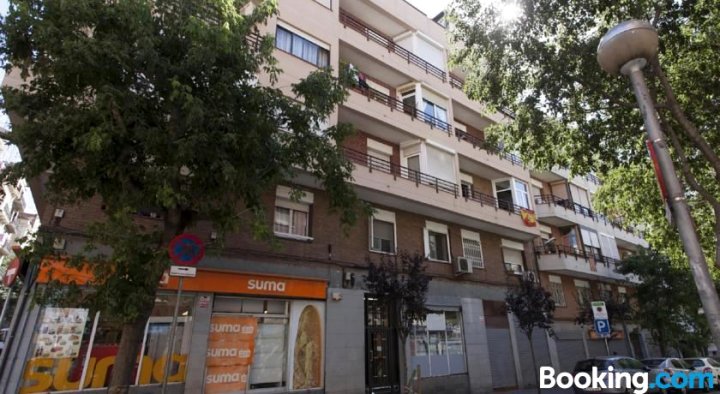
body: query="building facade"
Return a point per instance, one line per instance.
(298, 318)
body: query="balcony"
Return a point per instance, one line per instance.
(559, 211)
(413, 113)
(372, 34)
(392, 185)
(567, 260)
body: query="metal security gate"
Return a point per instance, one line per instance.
(381, 349)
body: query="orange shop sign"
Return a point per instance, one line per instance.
(205, 281)
(236, 283)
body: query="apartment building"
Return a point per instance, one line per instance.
(271, 320)
(577, 253)
(18, 217)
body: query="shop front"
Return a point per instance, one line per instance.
(236, 333)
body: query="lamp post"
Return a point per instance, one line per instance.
(625, 49)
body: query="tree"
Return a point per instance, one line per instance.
(569, 113)
(533, 307)
(401, 284)
(155, 104)
(666, 305)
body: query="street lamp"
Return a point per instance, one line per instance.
(625, 49)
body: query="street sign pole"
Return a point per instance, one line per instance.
(607, 347)
(185, 250)
(171, 338)
(6, 304)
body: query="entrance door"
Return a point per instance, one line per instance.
(381, 349)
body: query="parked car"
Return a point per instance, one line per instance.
(669, 365)
(706, 364)
(619, 364)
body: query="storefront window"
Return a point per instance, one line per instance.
(437, 344)
(257, 344)
(61, 365)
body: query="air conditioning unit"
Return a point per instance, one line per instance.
(463, 265)
(515, 269)
(530, 275)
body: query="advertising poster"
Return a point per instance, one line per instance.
(60, 333)
(231, 343)
(305, 356)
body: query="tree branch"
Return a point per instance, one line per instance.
(687, 126)
(695, 184)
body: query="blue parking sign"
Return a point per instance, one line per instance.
(602, 327)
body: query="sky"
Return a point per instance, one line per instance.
(429, 7)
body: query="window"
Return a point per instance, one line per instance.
(605, 291)
(292, 218)
(466, 185)
(512, 253)
(382, 231)
(556, 289)
(303, 48)
(441, 163)
(512, 192)
(437, 112)
(268, 343)
(622, 295)
(591, 242)
(583, 291)
(522, 197)
(437, 345)
(437, 242)
(379, 155)
(413, 165)
(63, 337)
(472, 248)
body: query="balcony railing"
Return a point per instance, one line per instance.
(397, 105)
(420, 178)
(373, 35)
(549, 199)
(254, 40)
(567, 250)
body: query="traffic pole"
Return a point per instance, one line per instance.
(171, 338)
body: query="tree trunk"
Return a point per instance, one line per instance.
(127, 354)
(402, 362)
(535, 367)
(132, 333)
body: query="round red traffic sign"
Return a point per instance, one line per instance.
(11, 273)
(186, 249)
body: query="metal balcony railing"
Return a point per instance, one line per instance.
(549, 199)
(254, 40)
(420, 178)
(397, 105)
(374, 35)
(567, 250)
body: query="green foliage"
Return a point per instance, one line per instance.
(401, 282)
(667, 305)
(156, 104)
(631, 193)
(570, 113)
(532, 306)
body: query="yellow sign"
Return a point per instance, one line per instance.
(44, 374)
